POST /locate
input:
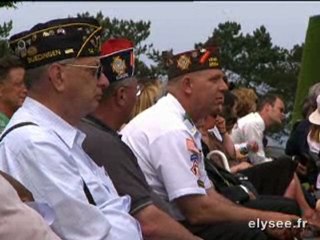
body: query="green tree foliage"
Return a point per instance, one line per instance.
(4, 34)
(8, 4)
(137, 32)
(5, 29)
(252, 60)
(310, 71)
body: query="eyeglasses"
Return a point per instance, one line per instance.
(98, 69)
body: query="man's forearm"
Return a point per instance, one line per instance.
(157, 225)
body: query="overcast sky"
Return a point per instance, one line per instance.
(179, 25)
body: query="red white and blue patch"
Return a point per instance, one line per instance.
(191, 146)
(194, 157)
(195, 169)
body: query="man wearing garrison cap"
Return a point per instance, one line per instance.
(41, 146)
(101, 128)
(168, 148)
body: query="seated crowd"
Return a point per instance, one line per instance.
(90, 151)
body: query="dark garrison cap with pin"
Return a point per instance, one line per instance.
(57, 40)
(191, 61)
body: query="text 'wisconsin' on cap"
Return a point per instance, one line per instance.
(117, 59)
(57, 40)
(191, 61)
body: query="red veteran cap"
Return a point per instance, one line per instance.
(117, 59)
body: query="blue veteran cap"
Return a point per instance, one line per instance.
(57, 40)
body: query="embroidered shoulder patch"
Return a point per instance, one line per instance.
(191, 146)
(194, 157)
(195, 169)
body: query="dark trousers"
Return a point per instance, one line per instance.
(271, 178)
(231, 231)
(274, 203)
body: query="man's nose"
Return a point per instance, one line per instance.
(223, 86)
(24, 89)
(103, 81)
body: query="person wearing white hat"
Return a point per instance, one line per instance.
(314, 134)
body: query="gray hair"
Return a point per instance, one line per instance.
(109, 91)
(35, 74)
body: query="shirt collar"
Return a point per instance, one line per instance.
(178, 107)
(98, 123)
(184, 115)
(43, 116)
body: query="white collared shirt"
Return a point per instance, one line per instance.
(168, 149)
(49, 160)
(250, 128)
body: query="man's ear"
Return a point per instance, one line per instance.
(57, 76)
(267, 107)
(187, 84)
(121, 96)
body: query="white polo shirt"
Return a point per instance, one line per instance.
(168, 148)
(250, 128)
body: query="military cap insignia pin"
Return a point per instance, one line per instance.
(213, 62)
(21, 45)
(34, 37)
(194, 54)
(61, 31)
(118, 65)
(21, 48)
(183, 62)
(32, 51)
(204, 57)
(45, 34)
(51, 33)
(69, 51)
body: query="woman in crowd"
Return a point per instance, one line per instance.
(151, 91)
